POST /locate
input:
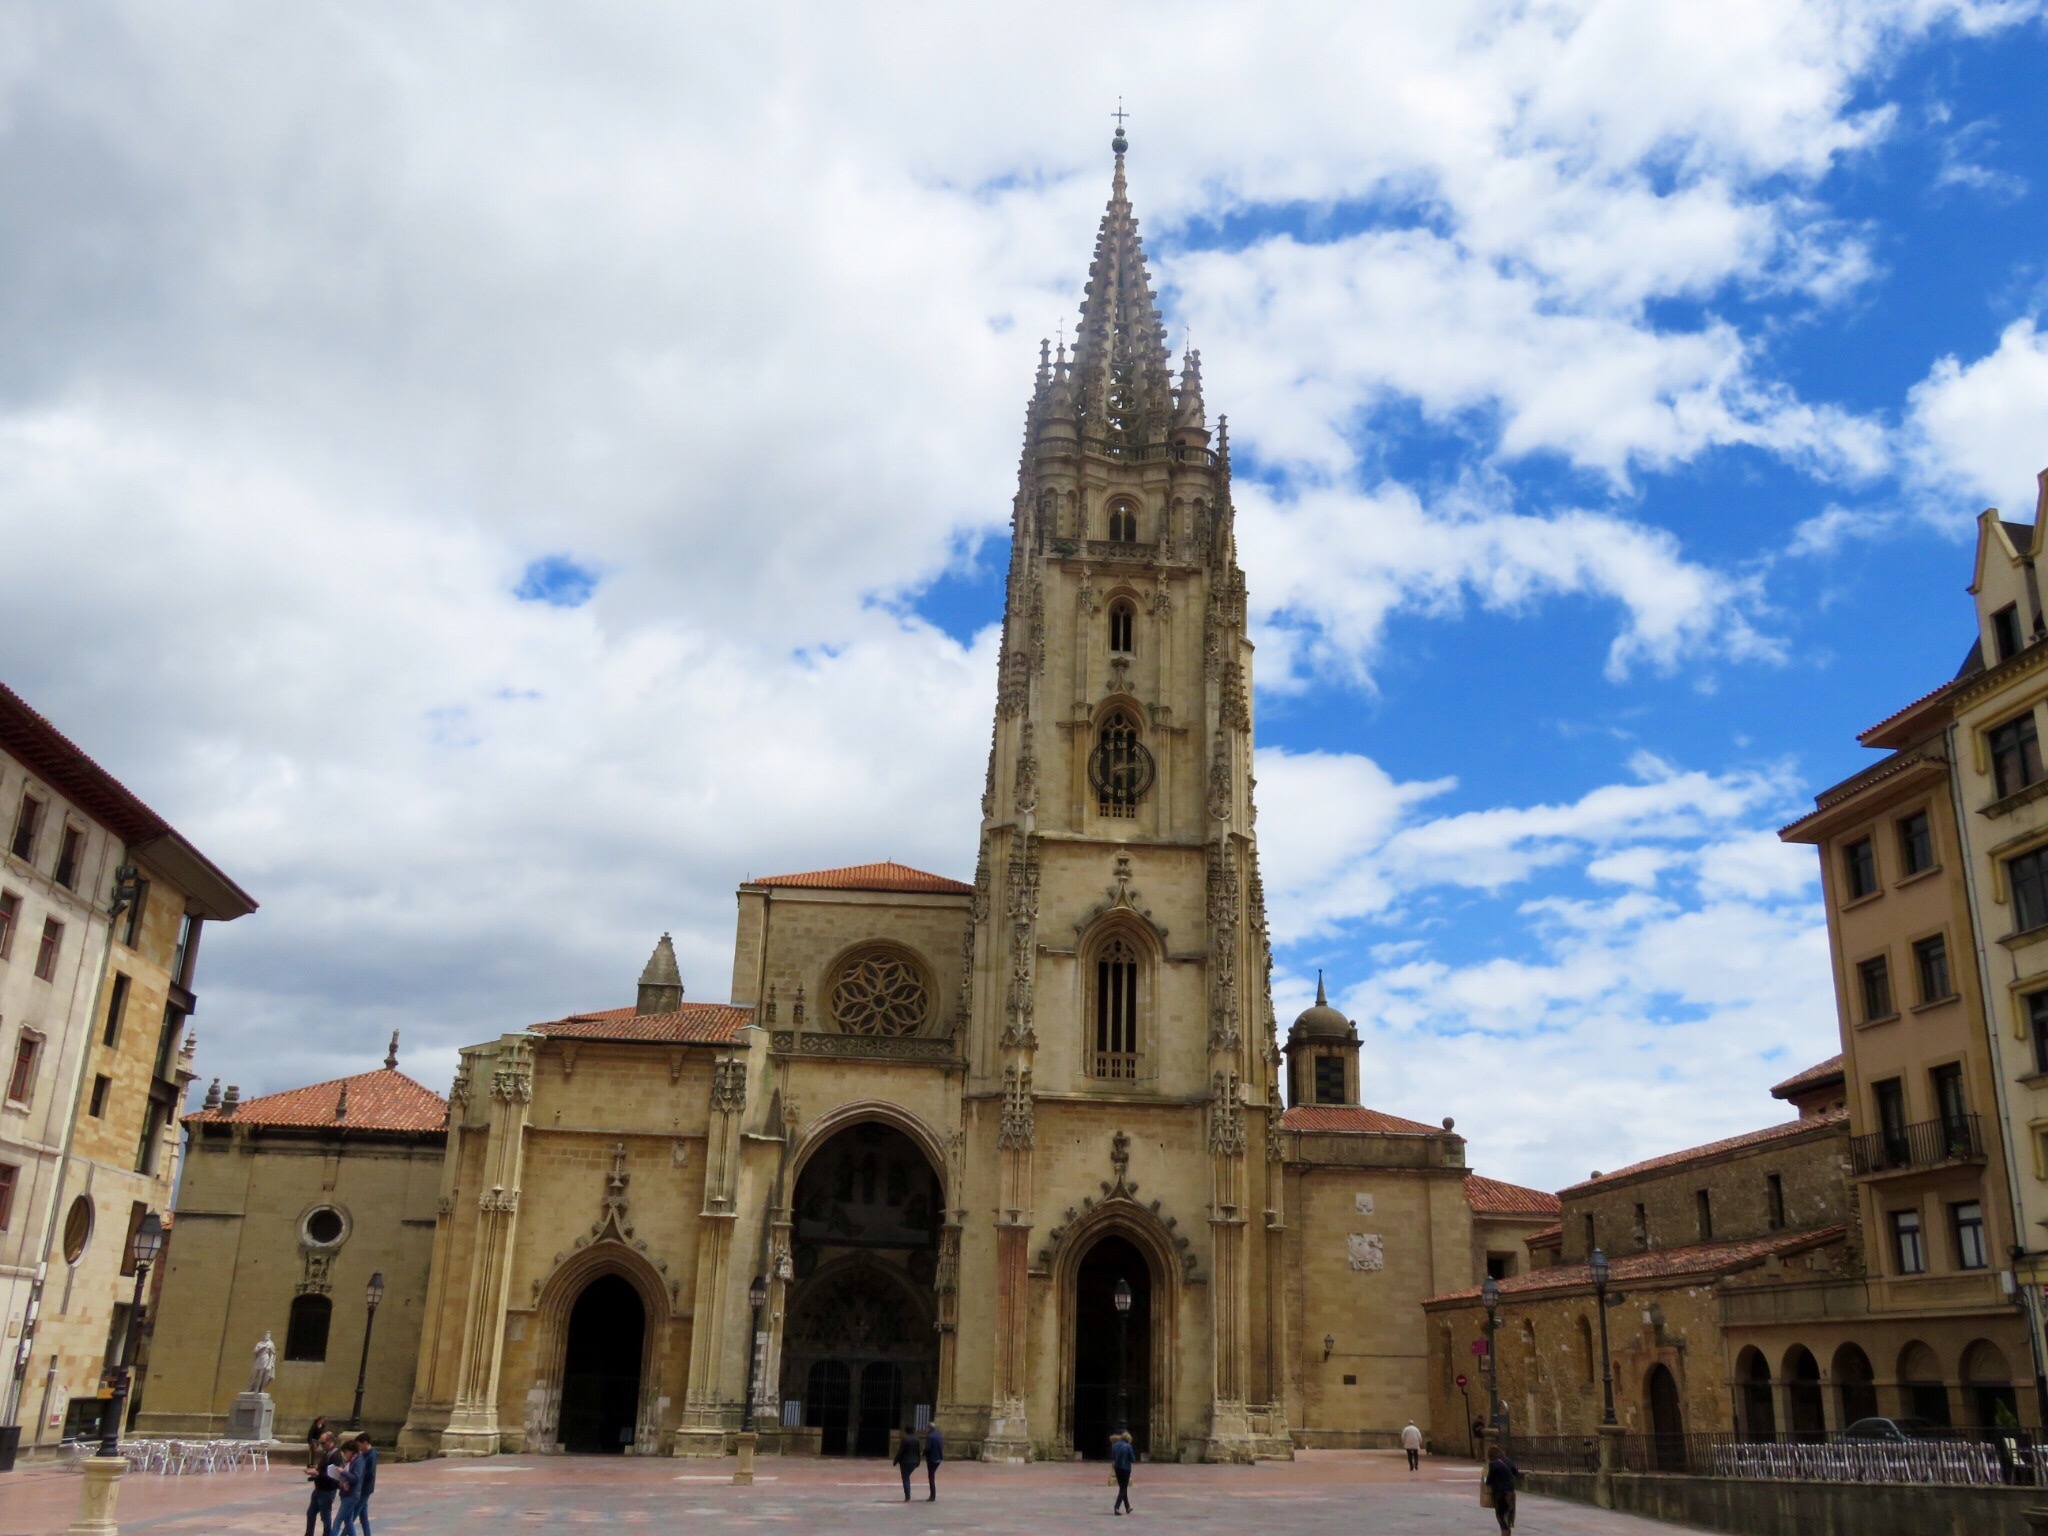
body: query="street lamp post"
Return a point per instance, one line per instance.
(372, 1297)
(757, 1298)
(1600, 1272)
(142, 1251)
(1123, 1329)
(1490, 1294)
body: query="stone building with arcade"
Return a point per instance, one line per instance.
(948, 1124)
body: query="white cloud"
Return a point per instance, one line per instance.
(1980, 429)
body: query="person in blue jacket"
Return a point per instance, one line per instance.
(909, 1452)
(1500, 1477)
(1122, 1457)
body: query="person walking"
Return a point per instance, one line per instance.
(1411, 1442)
(1122, 1457)
(909, 1452)
(1500, 1477)
(355, 1498)
(934, 1453)
(321, 1473)
(344, 1486)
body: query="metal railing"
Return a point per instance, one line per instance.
(1982, 1458)
(1116, 1064)
(1556, 1453)
(1927, 1144)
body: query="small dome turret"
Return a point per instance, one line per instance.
(1320, 1021)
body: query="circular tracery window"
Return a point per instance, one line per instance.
(324, 1226)
(880, 992)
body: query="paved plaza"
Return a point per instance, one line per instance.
(1351, 1492)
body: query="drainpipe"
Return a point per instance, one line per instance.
(125, 880)
(1994, 1037)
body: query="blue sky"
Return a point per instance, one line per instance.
(550, 468)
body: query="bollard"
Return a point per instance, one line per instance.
(1610, 1463)
(743, 1474)
(96, 1501)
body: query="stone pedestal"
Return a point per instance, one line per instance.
(251, 1417)
(743, 1474)
(96, 1500)
(1610, 1463)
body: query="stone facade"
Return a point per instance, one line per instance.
(289, 1204)
(101, 904)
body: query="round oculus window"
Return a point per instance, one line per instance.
(77, 1229)
(324, 1227)
(880, 992)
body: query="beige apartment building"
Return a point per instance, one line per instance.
(1934, 1204)
(101, 905)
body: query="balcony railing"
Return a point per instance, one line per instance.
(1928, 1144)
(1116, 1064)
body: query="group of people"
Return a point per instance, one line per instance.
(929, 1448)
(343, 1473)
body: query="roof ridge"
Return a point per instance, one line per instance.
(1705, 1149)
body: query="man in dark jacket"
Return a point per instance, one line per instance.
(1122, 1457)
(934, 1453)
(909, 1452)
(1500, 1477)
(355, 1503)
(324, 1486)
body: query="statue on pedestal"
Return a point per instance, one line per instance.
(262, 1365)
(253, 1413)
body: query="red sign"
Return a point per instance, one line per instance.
(1479, 1346)
(1461, 1383)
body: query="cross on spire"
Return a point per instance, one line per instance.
(1119, 114)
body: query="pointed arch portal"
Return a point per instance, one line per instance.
(1112, 1350)
(601, 1367)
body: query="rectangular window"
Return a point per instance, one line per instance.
(1890, 1099)
(1587, 1221)
(1703, 1209)
(2015, 755)
(186, 952)
(1968, 1219)
(170, 1035)
(1908, 1255)
(69, 853)
(10, 919)
(2028, 877)
(138, 1210)
(1329, 1079)
(28, 821)
(8, 1174)
(101, 1086)
(2037, 1027)
(1930, 963)
(1916, 843)
(152, 1134)
(1642, 1227)
(1774, 1200)
(1499, 1265)
(1859, 867)
(1874, 977)
(131, 921)
(117, 1007)
(1949, 1102)
(2005, 631)
(21, 1080)
(46, 952)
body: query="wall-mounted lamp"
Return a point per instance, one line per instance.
(1329, 1345)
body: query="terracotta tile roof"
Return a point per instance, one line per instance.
(691, 1024)
(1866, 736)
(885, 876)
(54, 758)
(1764, 1137)
(1692, 1261)
(1549, 1237)
(1818, 1075)
(386, 1100)
(1495, 1197)
(1352, 1120)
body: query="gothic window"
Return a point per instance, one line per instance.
(1329, 1079)
(305, 1333)
(880, 991)
(1120, 768)
(1116, 1009)
(1123, 617)
(1123, 523)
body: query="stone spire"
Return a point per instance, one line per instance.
(661, 984)
(1121, 372)
(391, 1055)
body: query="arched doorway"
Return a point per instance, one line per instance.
(1802, 1395)
(1667, 1420)
(1987, 1381)
(1112, 1348)
(1920, 1382)
(1857, 1383)
(861, 1342)
(1759, 1413)
(601, 1367)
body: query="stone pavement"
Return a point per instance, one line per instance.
(1323, 1493)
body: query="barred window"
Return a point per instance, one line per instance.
(1120, 768)
(1116, 1010)
(1123, 616)
(1123, 523)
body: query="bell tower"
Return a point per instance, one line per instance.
(1119, 976)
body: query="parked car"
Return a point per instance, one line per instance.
(1893, 1429)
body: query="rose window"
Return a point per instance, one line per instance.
(880, 993)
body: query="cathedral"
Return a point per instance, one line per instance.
(1024, 1156)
